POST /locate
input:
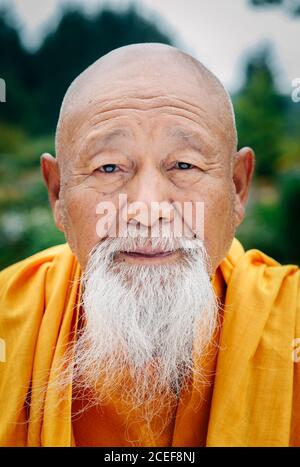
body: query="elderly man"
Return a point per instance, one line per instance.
(138, 332)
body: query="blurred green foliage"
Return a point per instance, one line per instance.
(269, 122)
(36, 82)
(290, 6)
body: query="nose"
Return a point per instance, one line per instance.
(149, 200)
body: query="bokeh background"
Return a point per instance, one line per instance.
(252, 45)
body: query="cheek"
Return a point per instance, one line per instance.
(218, 222)
(80, 220)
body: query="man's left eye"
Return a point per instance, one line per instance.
(183, 165)
(108, 168)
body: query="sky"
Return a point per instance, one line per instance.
(220, 33)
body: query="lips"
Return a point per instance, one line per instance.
(148, 253)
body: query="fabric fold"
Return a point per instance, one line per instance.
(255, 385)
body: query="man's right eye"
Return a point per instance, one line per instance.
(108, 168)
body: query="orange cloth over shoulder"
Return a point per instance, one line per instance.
(254, 399)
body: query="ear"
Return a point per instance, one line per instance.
(50, 171)
(243, 168)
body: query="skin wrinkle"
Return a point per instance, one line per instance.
(209, 165)
(128, 94)
(106, 105)
(85, 146)
(200, 75)
(87, 154)
(127, 103)
(95, 121)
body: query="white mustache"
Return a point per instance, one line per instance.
(110, 247)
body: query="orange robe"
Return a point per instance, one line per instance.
(254, 395)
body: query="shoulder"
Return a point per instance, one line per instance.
(35, 261)
(26, 276)
(268, 272)
(257, 282)
(38, 258)
(256, 266)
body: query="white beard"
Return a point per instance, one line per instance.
(145, 322)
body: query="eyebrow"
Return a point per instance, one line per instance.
(192, 137)
(113, 134)
(109, 136)
(99, 139)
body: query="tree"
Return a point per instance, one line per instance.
(37, 81)
(260, 114)
(290, 6)
(15, 69)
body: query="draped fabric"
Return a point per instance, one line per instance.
(253, 395)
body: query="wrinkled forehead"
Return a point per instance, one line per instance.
(111, 88)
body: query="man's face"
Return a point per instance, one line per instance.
(151, 135)
(162, 150)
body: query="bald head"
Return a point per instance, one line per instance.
(145, 71)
